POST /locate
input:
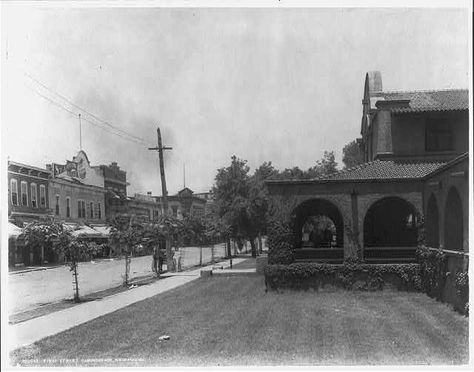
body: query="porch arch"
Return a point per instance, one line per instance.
(453, 221)
(317, 207)
(390, 222)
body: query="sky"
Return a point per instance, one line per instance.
(279, 85)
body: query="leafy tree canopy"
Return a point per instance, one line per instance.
(352, 155)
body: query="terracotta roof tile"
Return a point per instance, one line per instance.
(387, 170)
(433, 100)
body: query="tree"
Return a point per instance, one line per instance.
(39, 235)
(327, 165)
(237, 202)
(352, 155)
(126, 234)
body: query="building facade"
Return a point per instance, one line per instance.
(415, 145)
(77, 193)
(28, 201)
(115, 184)
(28, 193)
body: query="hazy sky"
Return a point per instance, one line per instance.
(279, 85)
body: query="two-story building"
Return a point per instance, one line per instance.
(115, 184)
(28, 201)
(77, 198)
(415, 146)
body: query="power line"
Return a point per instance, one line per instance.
(84, 110)
(85, 119)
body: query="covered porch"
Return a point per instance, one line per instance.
(372, 212)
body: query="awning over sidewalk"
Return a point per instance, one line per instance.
(13, 230)
(102, 229)
(87, 231)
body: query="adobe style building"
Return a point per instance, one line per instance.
(415, 146)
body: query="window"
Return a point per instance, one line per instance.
(99, 212)
(14, 191)
(24, 193)
(439, 135)
(42, 196)
(34, 195)
(175, 211)
(68, 207)
(91, 212)
(81, 209)
(56, 208)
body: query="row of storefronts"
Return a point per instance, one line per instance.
(84, 198)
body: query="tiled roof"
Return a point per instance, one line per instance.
(387, 170)
(434, 100)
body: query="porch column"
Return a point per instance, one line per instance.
(351, 228)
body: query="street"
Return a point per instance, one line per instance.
(35, 288)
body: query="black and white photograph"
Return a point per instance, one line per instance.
(236, 184)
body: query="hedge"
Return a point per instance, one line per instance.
(280, 243)
(350, 275)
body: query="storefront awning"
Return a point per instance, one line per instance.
(84, 230)
(13, 230)
(103, 230)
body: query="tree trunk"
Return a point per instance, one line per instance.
(169, 253)
(127, 268)
(76, 283)
(260, 245)
(229, 248)
(254, 248)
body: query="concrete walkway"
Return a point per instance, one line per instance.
(33, 330)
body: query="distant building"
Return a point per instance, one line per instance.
(144, 207)
(208, 197)
(115, 184)
(185, 202)
(28, 192)
(77, 193)
(28, 201)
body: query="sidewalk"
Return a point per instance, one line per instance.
(33, 330)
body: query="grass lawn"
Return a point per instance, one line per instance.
(232, 321)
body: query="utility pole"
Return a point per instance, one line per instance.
(160, 148)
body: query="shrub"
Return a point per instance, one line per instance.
(434, 275)
(280, 243)
(462, 288)
(349, 275)
(433, 270)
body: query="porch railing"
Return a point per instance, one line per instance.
(389, 254)
(330, 255)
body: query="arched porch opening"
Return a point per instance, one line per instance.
(453, 221)
(432, 223)
(390, 231)
(319, 231)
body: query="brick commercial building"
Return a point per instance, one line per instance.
(115, 184)
(28, 201)
(77, 191)
(415, 146)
